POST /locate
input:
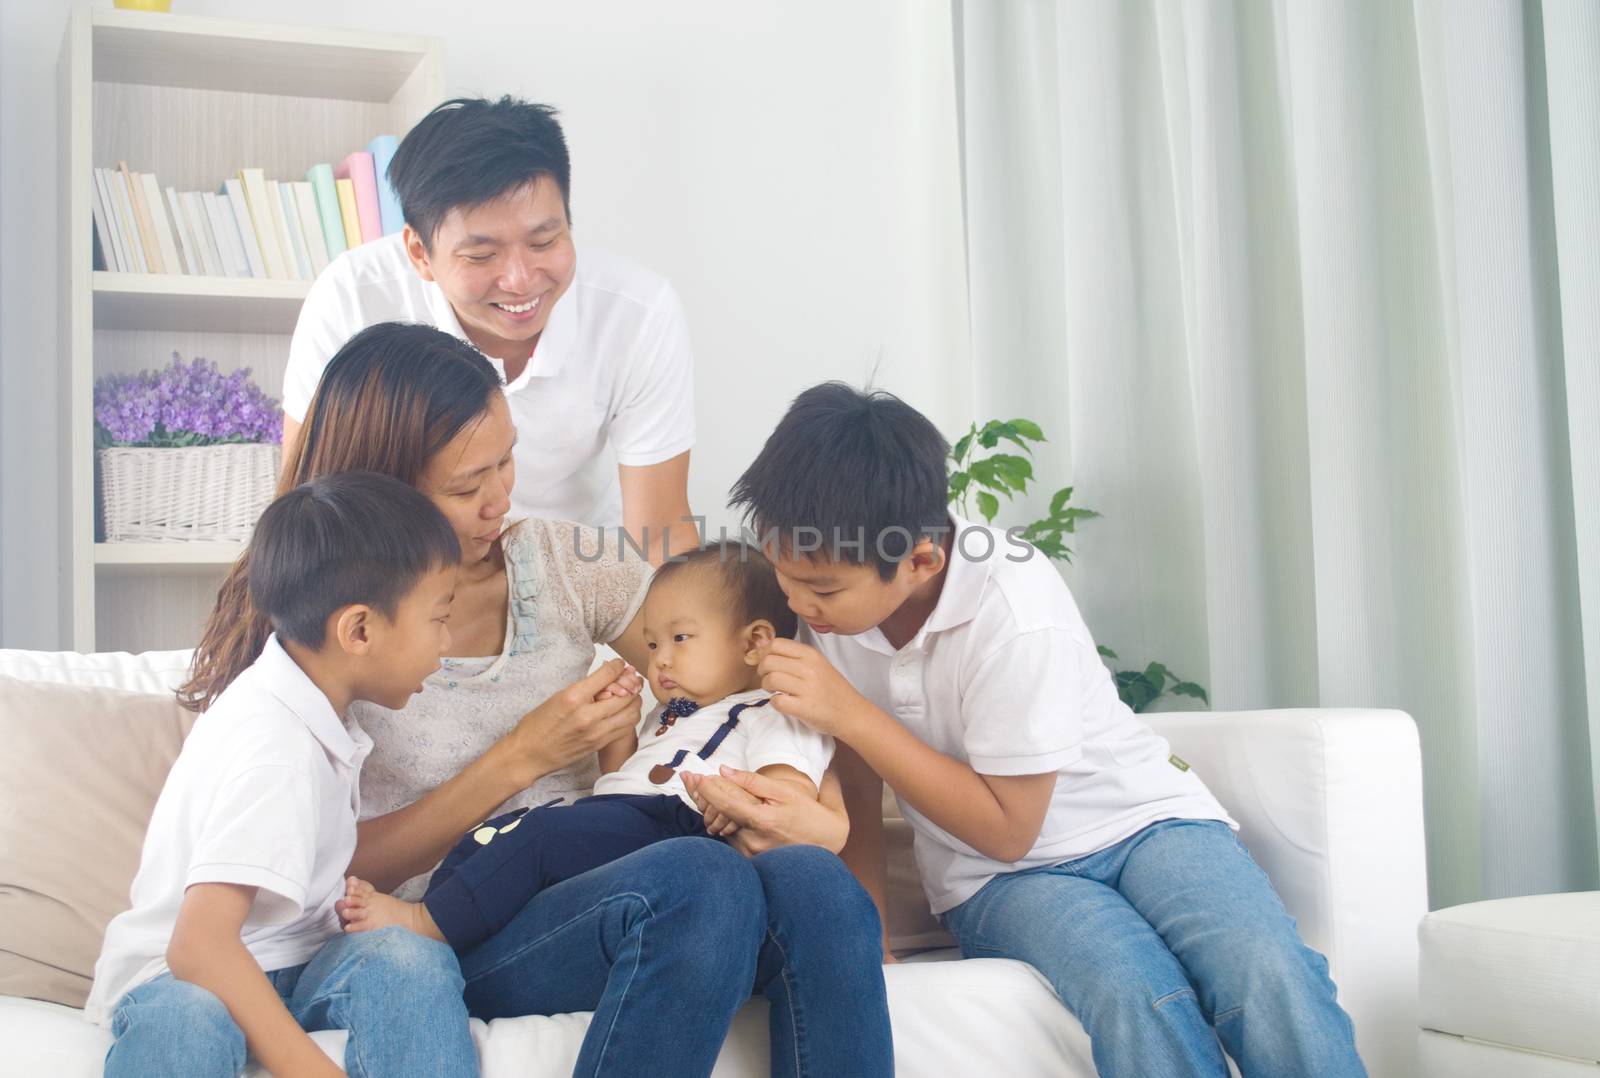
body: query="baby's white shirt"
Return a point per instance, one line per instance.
(762, 736)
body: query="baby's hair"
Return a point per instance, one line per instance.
(340, 539)
(747, 578)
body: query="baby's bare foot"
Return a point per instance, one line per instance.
(364, 908)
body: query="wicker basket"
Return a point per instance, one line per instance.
(209, 493)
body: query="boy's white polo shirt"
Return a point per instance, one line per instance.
(611, 381)
(264, 794)
(1005, 677)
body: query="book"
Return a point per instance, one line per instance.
(251, 244)
(347, 212)
(126, 221)
(254, 182)
(321, 179)
(111, 233)
(357, 168)
(226, 231)
(165, 240)
(305, 203)
(200, 226)
(382, 149)
(288, 218)
(180, 226)
(99, 240)
(141, 217)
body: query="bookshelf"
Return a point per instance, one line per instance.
(192, 99)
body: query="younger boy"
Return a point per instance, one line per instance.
(232, 943)
(707, 619)
(1051, 825)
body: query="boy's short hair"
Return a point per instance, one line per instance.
(471, 150)
(349, 537)
(859, 476)
(746, 577)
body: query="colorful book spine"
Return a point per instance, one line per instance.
(200, 226)
(320, 177)
(141, 216)
(357, 168)
(288, 218)
(126, 220)
(226, 232)
(305, 204)
(347, 212)
(254, 182)
(165, 240)
(112, 233)
(251, 245)
(382, 149)
(180, 227)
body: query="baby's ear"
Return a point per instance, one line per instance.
(757, 635)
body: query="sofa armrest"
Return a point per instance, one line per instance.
(1330, 803)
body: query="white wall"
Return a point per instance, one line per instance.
(792, 167)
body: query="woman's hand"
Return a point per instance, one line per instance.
(574, 723)
(767, 813)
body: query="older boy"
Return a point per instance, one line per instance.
(1051, 825)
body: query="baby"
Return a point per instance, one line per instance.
(708, 618)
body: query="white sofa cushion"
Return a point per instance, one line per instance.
(1518, 972)
(148, 671)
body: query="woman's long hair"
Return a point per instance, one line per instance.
(393, 396)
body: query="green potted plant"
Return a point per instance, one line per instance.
(981, 473)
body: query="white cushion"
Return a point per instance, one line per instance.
(148, 671)
(1518, 972)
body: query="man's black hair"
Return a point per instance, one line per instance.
(864, 469)
(746, 578)
(349, 537)
(471, 150)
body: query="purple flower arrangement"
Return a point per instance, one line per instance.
(186, 404)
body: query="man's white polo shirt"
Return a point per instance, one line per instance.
(1005, 677)
(264, 794)
(611, 380)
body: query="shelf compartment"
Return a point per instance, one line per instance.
(136, 557)
(214, 304)
(259, 58)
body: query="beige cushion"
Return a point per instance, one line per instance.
(80, 770)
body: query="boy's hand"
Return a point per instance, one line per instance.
(812, 690)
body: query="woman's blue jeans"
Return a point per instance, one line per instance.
(1162, 945)
(399, 995)
(665, 944)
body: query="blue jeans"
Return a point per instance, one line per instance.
(1162, 945)
(397, 994)
(663, 945)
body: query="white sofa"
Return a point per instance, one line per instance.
(1330, 802)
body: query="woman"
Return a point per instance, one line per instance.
(663, 945)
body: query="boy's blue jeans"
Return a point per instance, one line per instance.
(398, 994)
(1164, 944)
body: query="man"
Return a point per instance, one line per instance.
(594, 351)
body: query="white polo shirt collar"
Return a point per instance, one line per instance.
(549, 355)
(959, 598)
(281, 676)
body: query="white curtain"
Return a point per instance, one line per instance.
(1307, 296)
